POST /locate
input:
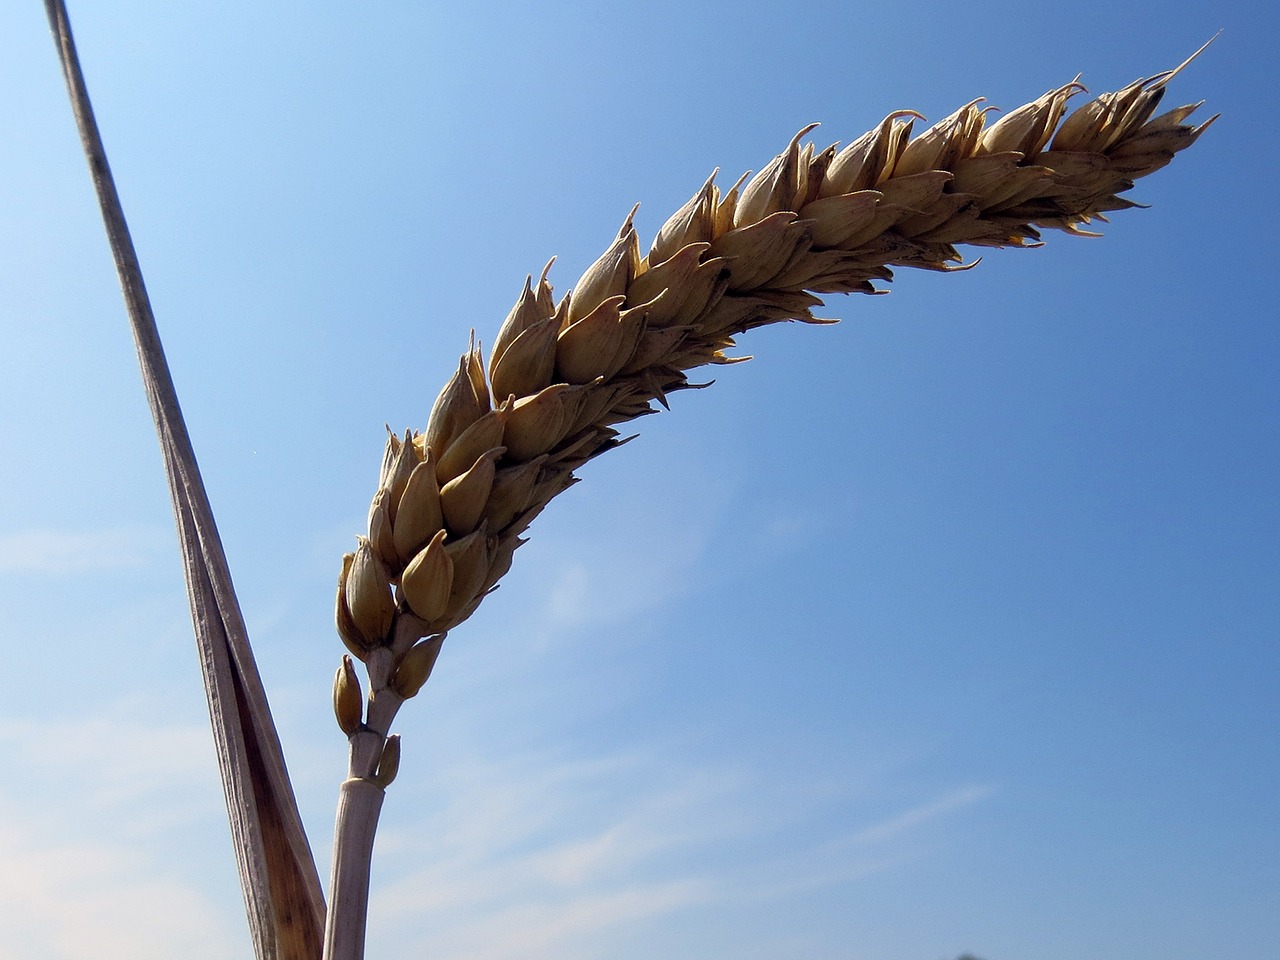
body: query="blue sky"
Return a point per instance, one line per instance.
(949, 628)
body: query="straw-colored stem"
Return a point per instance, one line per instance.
(359, 804)
(371, 764)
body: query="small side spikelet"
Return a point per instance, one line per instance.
(454, 500)
(389, 762)
(348, 702)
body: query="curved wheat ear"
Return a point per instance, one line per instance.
(454, 500)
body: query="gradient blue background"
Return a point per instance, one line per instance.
(950, 628)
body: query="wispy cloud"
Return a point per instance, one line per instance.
(537, 858)
(95, 900)
(119, 757)
(607, 564)
(63, 551)
(102, 839)
(603, 581)
(893, 828)
(542, 928)
(864, 851)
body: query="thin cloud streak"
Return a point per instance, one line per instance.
(579, 927)
(607, 565)
(91, 874)
(894, 827)
(867, 851)
(62, 551)
(75, 900)
(536, 859)
(542, 858)
(113, 759)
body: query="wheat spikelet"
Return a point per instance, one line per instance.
(454, 500)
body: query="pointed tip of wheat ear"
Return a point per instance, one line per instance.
(454, 499)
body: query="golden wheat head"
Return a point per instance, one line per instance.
(454, 499)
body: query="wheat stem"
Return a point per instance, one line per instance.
(359, 804)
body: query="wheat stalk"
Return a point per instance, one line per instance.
(454, 500)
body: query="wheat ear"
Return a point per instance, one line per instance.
(454, 500)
